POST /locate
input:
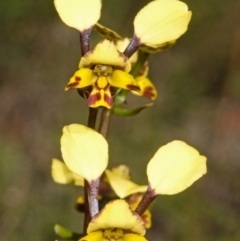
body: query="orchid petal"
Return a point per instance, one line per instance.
(175, 167)
(84, 151)
(161, 21)
(123, 80)
(63, 175)
(79, 14)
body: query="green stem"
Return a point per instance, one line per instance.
(142, 58)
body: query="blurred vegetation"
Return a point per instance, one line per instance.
(199, 102)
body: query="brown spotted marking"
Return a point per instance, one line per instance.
(148, 92)
(92, 99)
(133, 87)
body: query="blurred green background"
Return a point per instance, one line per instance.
(199, 102)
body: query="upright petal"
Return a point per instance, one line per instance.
(117, 214)
(161, 21)
(79, 14)
(84, 151)
(175, 167)
(105, 53)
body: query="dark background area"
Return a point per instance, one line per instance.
(198, 102)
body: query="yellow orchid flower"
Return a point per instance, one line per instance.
(84, 151)
(109, 225)
(102, 68)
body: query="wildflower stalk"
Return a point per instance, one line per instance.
(85, 41)
(93, 197)
(104, 124)
(147, 199)
(92, 116)
(86, 209)
(132, 47)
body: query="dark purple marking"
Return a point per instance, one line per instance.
(133, 87)
(93, 99)
(109, 100)
(72, 85)
(148, 92)
(77, 78)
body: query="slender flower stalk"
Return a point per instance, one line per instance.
(147, 199)
(104, 124)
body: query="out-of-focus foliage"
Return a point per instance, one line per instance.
(199, 102)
